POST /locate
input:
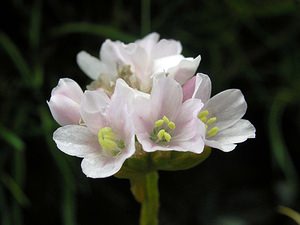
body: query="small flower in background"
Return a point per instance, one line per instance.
(164, 123)
(106, 137)
(221, 114)
(137, 62)
(65, 102)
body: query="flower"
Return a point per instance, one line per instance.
(221, 114)
(163, 122)
(107, 138)
(65, 101)
(137, 62)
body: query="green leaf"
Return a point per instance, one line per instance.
(12, 139)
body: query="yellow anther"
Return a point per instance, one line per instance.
(211, 120)
(160, 134)
(159, 123)
(166, 119)
(203, 114)
(171, 125)
(108, 142)
(212, 132)
(203, 119)
(167, 136)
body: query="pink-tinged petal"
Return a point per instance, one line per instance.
(64, 102)
(165, 63)
(100, 165)
(221, 146)
(148, 42)
(111, 53)
(202, 87)
(228, 107)
(237, 133)
(166, 48)
(68, 88)
(166, 98)
(185, 70)
(189, 88)
(91, 65)
(93, 109)
(64, 110)
(76, 140)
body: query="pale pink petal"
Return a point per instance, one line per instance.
(64, 110)
(166, 98)
(228, 107)
(166, 48)
(76, 140)
(188, 88)
(91, 65)
(93, 109)
(185, 70)
(202, 87)
(68, 88)
(148, 42)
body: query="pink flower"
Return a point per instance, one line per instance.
(65, 101)
(221, 114)
(107, 138)
(164, 123)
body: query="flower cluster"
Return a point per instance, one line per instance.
(144, 94)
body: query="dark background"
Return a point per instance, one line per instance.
(250, 45)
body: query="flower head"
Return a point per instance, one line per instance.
(164, 123)
(107, 138)
(221, 114)
(65, 102)
(137, 62)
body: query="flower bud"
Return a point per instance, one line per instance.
(65, 101)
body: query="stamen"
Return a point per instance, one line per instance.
(211, 120)
(203, 114)
(171, 125)
(212, 132)
(162, 131)
(166, 119)
(167, 136)
(109, 142)
(160, 134)
(159, 123)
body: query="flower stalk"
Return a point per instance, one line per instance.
(145, 191)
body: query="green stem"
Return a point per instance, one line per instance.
(150, 203)
(145, 191)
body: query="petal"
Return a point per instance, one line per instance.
(100, 165)
(76, 140)
(185, 69)
(148, 42)
(111, 53)
(166, 48)
(239, 132)
(228, 106)
(165, 63)
(188, 88)
(166, 98)
(202, 87)
(91, 65)
(64, 110)
(93, 109)
(68, 88)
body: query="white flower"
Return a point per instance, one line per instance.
(137, 62)
(107, 139)
(221, 114)
(163, 122)
(65, 102)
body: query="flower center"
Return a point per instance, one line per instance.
(109, 142)
(162, 131)
(209, 122)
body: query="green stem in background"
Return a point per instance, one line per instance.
(145, 191)
(145, 16)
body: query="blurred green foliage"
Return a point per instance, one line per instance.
(250, 45)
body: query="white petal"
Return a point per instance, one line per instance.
(91, 65)
(166, 98)
(64, 110)
(111, 53)
(202, 87)
(68, 88)
(221, 146)
(239, 132)
(166, 48)
(164, 64)
(76, 140)
(228, 106)
(148, 42)
(185, 70)
(93, 109)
